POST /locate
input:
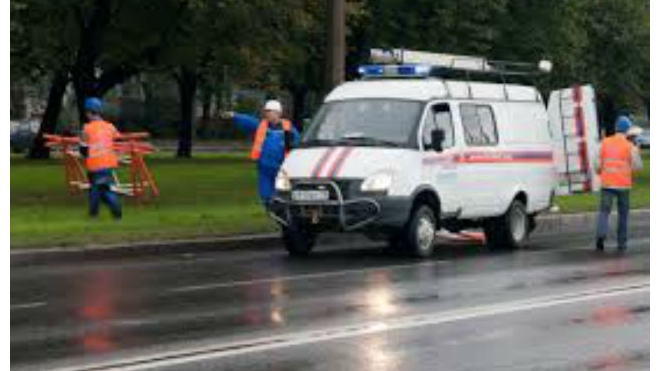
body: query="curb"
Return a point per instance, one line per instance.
(546, 224)
(582, 222)
(120, 251)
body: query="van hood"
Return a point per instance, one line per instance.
(344, 162)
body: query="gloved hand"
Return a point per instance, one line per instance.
(227, 115)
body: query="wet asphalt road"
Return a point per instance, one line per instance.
(556, 305)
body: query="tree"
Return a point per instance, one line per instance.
(40, 49)
(618, 55)
(95, 44)
(250, 37)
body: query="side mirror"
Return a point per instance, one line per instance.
(437, 138)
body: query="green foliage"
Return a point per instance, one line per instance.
(279, 45)
(618, 52)
(603, 42)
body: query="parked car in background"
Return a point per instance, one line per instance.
(22, 134)
(644, 139)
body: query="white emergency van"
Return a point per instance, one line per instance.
(406, 150)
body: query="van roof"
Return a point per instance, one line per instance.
(432, 88)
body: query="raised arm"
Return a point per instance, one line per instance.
(246, 123)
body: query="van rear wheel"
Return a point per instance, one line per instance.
(420, 232)
(509, 231)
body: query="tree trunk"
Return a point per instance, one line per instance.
(298, 93)
(187, 81)
(607, 113)
(79, 89)
(38, 150)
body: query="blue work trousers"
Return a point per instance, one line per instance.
(607, 196)
(100, 190)
(266, 177)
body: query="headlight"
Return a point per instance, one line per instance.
(282, 182)
(379, 182)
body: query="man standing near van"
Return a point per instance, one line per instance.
(274, 137)
(617, 160)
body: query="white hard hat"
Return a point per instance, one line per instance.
(273, 105)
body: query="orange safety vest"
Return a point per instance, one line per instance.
(615, 160)
(100, 136)
(260, 136)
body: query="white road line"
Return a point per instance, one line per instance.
(301, 276)
(169, 359)
(211, 286)
(35, 304)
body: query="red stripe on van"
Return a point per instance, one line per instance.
(580, 129)
(322, 161)
(339, 162)
(506, 157)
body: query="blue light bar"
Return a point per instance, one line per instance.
(394, 70)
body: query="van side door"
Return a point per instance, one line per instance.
(439, 166)
(479, 181)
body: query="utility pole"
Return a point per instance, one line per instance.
(335, 51)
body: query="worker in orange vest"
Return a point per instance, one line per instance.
(274, 137)
(616, 163)
(97, 147)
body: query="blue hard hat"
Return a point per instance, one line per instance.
(623, 124)
(93, 105)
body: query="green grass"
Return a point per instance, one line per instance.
(640, 196)
(213, 194)
(210, 195)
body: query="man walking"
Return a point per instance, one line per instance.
(617, 161)
(274, 137)
(100, 159)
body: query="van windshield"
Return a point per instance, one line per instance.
(365, 122)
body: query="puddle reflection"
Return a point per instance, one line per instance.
(379, 355)
(379, 297)
(99, 295)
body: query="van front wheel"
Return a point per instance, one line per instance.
(420, 232)
(509, 231)
(297, 241)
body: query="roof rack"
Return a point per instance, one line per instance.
(414, 63)
(440, 61)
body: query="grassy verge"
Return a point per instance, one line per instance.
(212, 194)
(209, 195)
(640, 196)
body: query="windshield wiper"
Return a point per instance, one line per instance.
(369, 141)
(317, 143)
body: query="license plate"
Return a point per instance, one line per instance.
(311, 195)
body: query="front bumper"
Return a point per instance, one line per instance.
(344, 211)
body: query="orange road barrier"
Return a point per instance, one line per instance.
(142, 184)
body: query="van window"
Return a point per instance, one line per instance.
(438, 117)
(478, 125)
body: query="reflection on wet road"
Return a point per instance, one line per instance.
(554, 306)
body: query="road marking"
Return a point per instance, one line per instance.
(35, 304)
(238, 283)
(173, 358)
(301, 276)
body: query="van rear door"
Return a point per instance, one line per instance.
(573, 125)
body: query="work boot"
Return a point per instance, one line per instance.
(600, 244)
